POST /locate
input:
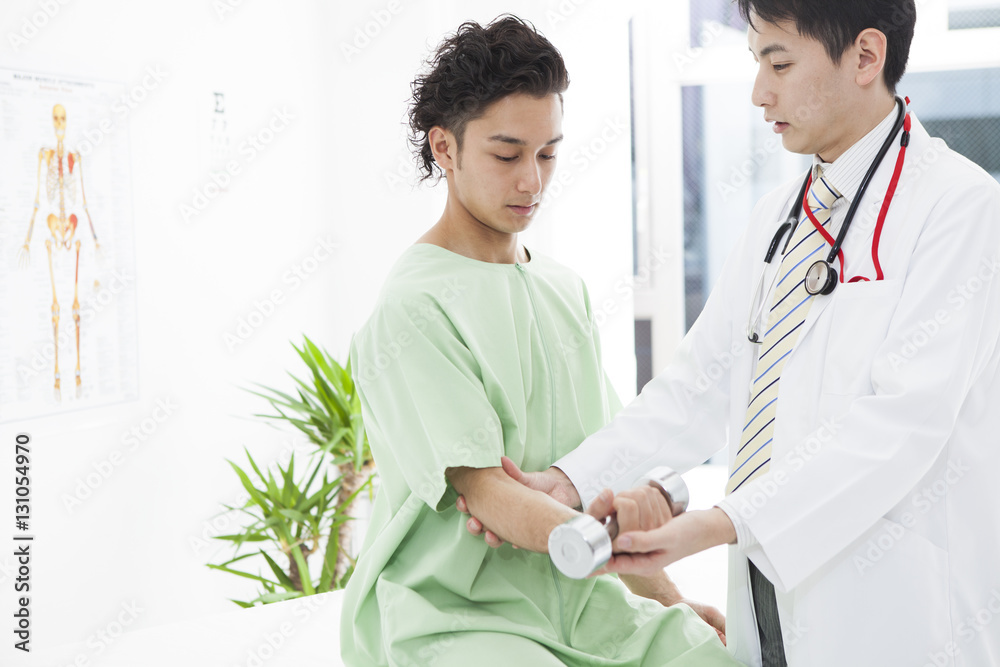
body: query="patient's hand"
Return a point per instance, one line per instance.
(475, 526)
(641, 508)
(710, 615)
(552, 482)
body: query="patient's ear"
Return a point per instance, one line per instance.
(444, 147)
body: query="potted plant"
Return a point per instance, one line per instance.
(296, 518)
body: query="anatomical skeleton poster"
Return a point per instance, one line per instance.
(67, 252)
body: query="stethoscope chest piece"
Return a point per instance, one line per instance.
(821, 278)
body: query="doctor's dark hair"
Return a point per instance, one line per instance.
(472, 69)
(837, 23)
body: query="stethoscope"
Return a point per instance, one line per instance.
(822, 277)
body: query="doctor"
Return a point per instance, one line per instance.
(863, 421)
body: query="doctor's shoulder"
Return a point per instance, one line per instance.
(939, 169)
(955, 193)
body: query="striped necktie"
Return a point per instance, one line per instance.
(788, 314)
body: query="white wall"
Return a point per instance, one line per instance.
(139, 536)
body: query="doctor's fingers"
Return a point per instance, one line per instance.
(645, 541)
(646, 565)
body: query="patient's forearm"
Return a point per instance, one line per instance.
(509, 509)
(657, 587)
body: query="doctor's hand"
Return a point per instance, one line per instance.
(647, 552)
(552, 482)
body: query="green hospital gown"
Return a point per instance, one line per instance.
(462, 362)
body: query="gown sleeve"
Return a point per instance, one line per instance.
(424, 405)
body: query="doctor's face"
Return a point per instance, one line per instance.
(508, 157)
(806, 96)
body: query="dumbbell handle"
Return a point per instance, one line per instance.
(582, 544)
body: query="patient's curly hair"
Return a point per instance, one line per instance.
(472, 69)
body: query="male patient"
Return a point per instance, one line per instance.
(467, 359)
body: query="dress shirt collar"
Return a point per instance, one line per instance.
(846, 172)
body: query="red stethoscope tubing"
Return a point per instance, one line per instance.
(889, 194)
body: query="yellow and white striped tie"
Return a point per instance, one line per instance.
(788, 314)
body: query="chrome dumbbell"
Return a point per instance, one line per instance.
(583, 544)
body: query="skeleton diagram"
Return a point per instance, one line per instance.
(63, 170)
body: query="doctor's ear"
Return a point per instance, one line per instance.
(868, 55)
(444, 146)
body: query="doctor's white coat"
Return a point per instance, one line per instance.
(879, 521)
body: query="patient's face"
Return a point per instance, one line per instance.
(508, 157)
